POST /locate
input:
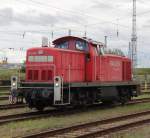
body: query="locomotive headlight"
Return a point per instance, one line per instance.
(14, 84)
(56, 84)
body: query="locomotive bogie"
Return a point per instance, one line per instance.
(40, 98)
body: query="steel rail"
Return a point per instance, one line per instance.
(12, 106)
(71, 129)
(4, 97)
(119, 128)
(53, 112)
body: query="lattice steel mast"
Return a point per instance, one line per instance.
(134, 38)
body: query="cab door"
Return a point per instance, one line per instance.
(91, 64)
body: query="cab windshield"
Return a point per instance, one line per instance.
(63, 45)
(81, 45)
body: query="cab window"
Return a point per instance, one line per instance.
(40, 58)
(63, 45)
(100, 50)
(81, 45)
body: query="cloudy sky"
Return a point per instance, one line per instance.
(24, 22)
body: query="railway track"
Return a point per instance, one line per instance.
(136, 101)
(12, 106)
(56, 112)
(4, 93)
(4, 97)
(37, 115)
(24, 116)
(97, 128)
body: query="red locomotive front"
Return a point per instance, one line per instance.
(76, 71)
(40, 65)
(44, 63)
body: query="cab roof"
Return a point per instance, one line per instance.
(88, 40)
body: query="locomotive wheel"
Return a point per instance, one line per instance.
(125, 99)
(40, 108)
(107, 102)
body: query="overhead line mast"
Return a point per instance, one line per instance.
(134, 39)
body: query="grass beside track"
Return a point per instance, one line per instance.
(15, 111)
(4, 92)
(141, 71)
(142, 96)
(139, 132)
(4, 102)
(24, 127)
(5, 74)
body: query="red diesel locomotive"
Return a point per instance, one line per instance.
(76, 71)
